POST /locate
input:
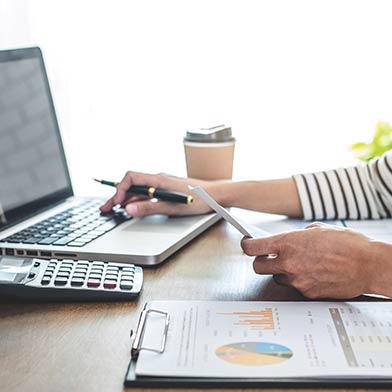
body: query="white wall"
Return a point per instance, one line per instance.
(298, 81)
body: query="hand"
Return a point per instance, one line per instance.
(137, 205)
(321, 261)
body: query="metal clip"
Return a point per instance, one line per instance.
(137, 344)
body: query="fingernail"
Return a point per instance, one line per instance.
(131, 209)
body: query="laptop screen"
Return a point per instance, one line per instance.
(33, 170)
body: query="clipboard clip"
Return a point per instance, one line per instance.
(137, 344)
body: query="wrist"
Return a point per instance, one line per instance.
(223, 192)
(380, 271)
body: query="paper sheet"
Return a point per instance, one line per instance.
(270, 339)
(379, 229)
(246, 229)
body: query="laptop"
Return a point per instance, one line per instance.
(39, 214)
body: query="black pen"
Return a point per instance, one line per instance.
(152, 192)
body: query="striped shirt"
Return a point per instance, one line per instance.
(359, 192)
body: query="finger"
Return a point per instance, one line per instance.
(122, 188)
(144, 208)
(134, 178)
(134, 199)
(264, 265)
(261, 246)
(317, 224)
(108, 205)
(118, 197)
(313, 224)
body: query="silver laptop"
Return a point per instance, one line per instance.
(39, 215)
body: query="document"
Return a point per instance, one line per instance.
(244, 228)
(380, 229)
(318, 340)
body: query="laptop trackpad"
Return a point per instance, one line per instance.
(162, 224)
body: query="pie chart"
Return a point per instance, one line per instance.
(254, 353)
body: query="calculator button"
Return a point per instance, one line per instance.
(78, 275)
(111, 276)
(67, 264)
(37, 264)
(81, 269)
(83, 263)
(110, 268)
(65, 268)
(60, 281)
(93, 283)
(109, 284)
(126, 285)
(77, 282)
(45, 280)
(95, 276)
(96, 270)
(63, 274)
(128, 269)
(126, 282)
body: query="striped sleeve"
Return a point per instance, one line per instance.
(359, 192)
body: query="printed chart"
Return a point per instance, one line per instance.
(262, 319)
(254, 353)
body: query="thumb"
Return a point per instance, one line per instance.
(261, 246)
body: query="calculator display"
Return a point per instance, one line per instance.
(12, 266)
(11, 262)
(6, 276)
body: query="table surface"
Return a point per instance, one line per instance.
(86, 346)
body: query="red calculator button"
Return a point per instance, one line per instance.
(93, 283)
(109, 284)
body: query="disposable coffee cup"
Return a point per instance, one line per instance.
(209, 153)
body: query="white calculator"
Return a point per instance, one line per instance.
(74, 280)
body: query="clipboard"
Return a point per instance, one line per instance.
(133, 380)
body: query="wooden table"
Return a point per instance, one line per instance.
(86, 346)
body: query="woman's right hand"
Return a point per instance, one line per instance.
(137, 205)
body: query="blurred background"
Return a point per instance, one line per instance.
(298, 81)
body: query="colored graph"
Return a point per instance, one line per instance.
(254, 353)
(262, 319)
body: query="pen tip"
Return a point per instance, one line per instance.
(95, 179)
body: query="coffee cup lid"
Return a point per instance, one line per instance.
(216, 134)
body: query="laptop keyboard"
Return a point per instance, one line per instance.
(76, 226)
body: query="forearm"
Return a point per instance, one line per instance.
(360, 192)
(272, 196)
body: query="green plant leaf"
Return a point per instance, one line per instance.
(382, 142)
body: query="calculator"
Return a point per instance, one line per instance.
(75, 280)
